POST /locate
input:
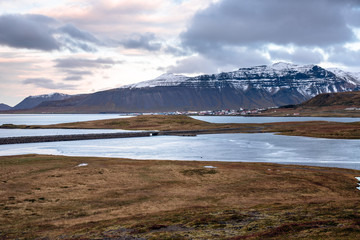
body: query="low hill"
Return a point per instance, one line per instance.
(344, 104)
(33, 101)
(344, 99)
(4, 107)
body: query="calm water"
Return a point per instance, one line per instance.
(44, 119)
(210, 147)
(47, 132)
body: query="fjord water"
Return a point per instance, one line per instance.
(47, 132)
(44, 119)
(211, 147)
(263, 147)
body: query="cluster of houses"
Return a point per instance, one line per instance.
(352, 109)
(224, 112)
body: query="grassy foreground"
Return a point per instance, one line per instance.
(51, 196)
(159, 122)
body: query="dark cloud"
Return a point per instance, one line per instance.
(299, 55)
(27, 31)
(48, 83)
(75, 69)
(222, 60)
(75, 75)
(74, 45)
(238, 57)
(239, 32)
(258, 22)
(43, 33)
(353, 16)
(77, 72)
(176, 51)
(344, 56)
(142, 41)
(75, 33)
(73, 78)
(85, 63)
(193, 64)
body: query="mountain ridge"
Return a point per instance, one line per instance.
(345, 99)
(255, 87)
(342, 104)
(33, 101)
(4, 107)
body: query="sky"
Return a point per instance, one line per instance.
(84, 46)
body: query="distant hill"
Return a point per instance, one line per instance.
(256, 87)
(345, 99)
(345, 104)
(4, 107)
(33, 101)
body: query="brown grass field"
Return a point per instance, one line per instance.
(310, 111)
(159, 122)
(50, 197)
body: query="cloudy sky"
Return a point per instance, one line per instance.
(82, 46)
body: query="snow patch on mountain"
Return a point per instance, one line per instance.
(33, 101)
(351, 77)
(167, 79)
(50, 95)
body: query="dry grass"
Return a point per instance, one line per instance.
(312, 111)
(317, 129)
(147, 122)
(49, 196)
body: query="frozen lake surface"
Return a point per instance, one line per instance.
(265, 147)
(210, 147)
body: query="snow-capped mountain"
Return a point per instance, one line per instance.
(349, 76)
(166, 79)
(33, 101)
(310, 80)
(256, 87)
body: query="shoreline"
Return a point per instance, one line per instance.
(79, 137)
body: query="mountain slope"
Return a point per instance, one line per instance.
(344, 104)
(345, 99)
(256, 87)
(4, 107)
(33, 101)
